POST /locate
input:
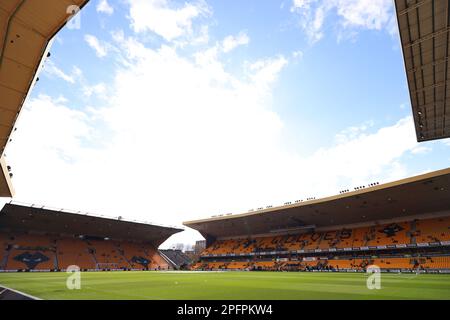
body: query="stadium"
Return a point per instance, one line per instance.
(306, 249)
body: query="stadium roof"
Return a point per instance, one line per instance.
(6, 188)
(422, 194)
(424, 31)
(41, 219)
(26, 29)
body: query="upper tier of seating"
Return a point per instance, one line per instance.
(411, 232)
(21, 251)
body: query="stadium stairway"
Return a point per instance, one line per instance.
(92, 254)
(4, 259)
(55, 261)
(122, 255)
(168, 260)
(176, 258)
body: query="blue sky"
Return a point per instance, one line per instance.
(168, 110)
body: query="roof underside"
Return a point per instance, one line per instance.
(424, 32)
(26, 27)
(423, 194)
(38, 219)
(6, 188)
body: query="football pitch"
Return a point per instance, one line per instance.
(228, 286)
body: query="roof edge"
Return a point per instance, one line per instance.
(7, 189)
(92, 215)
(326, 199)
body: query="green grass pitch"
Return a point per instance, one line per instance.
(228, 285)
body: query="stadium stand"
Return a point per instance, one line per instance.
(379, 227)
(393, 234)
(36, 238)
(37, 252)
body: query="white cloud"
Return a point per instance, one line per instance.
(266, 71)
(360, 157)
(50, 69)
(302, 4)
(55, 143)
(162, 144)
(101, 50)
(203, 36)
(352, 15)
(421, 149)
(297, 54)
(232, 42)
(163, 19)
(104, 7)
(98, 90)
(367, 14)
(353, 132)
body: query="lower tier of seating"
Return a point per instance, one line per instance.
(23, 251)
(310, 264)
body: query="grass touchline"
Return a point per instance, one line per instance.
(228, 286)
